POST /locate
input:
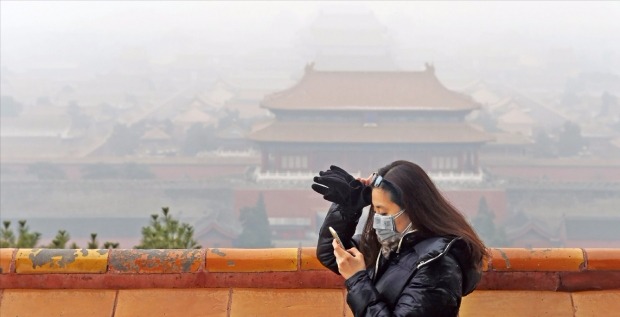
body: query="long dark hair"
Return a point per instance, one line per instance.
(431, 214)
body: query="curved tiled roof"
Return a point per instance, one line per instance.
(379, 90)
(353, 132)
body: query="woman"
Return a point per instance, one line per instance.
(417, 254)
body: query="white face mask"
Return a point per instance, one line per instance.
(385, 226)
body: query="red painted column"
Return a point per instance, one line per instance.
(264, 159)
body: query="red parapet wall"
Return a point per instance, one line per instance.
(569, 269)
(282, 282)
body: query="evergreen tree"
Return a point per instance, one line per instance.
(167, 233)
(110, 245)
(124, 139)
(483, 221)
(484, 224)
(135, 171)
(10, 107)
(486, 120)
(46, 171)
(199, 138)
(25, 238)
(570, 140)
(61, 240)
(79, 120)
(93, 243)
(256, 231)
(99, 171)
(609, 104)
(543, 144)
(7, 237)
(570, 98)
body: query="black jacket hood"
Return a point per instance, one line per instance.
(431, 249)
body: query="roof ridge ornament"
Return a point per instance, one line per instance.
(429, 68)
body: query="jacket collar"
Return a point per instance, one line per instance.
(432, 248)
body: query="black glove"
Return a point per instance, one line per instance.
(337, 171)
(346, 191)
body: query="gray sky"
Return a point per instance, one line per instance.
(146, 16)
(34, 32)
(87, 37)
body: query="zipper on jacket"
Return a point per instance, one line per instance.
(403, 237)
(445, 250)
(377, 267)
(397, 251)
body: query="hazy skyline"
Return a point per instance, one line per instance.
(43, 33)
(88, 86)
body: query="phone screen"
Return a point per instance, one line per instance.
(335, 235)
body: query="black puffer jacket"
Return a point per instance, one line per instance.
(426, 276)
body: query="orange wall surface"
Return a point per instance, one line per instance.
(282, 282)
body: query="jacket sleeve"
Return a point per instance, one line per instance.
(434, 290)
(345, 230)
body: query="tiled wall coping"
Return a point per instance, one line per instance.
(561, 269)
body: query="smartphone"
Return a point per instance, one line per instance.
(335, 235)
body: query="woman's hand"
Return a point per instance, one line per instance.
(366, 181)
(349, 261)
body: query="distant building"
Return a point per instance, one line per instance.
(216, 235)
(362, 121)
(366, 119)
(569, 232)
(531, 234)
(348, 41)
(591, 231)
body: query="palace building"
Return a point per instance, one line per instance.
(363, 120)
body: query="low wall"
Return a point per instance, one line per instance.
(282, 282)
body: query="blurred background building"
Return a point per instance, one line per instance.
(523, 136)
